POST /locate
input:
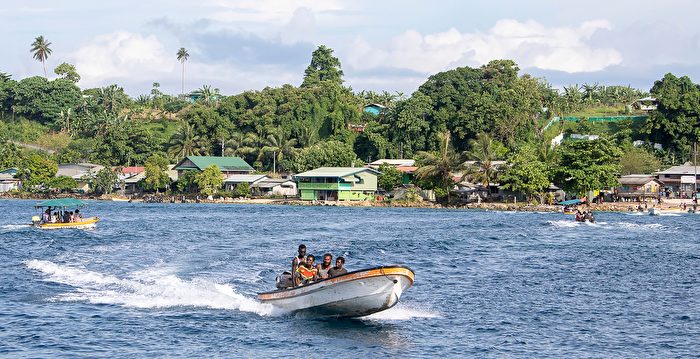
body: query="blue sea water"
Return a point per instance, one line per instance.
(179, 280)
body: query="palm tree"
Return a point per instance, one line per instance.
(280, 146)
(182, 56)
(440, 167)
(483, 153)
(5, 77)
(207, 94)
(41, 51)
(184, 142)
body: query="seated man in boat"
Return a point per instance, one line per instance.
(325, 266)
(46, 217)
(77, 217)
(306, 271)
(300, 258)
(338, 269)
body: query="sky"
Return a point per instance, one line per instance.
(394, 46)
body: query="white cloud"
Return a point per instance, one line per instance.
(273, 11)
(529, 43)
(122, 55)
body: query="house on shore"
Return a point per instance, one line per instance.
(681, 179)
(638, 187)
(8, 182)
(77, 171)
(229, 166)
(338, 184)
(232, 181)
(406, 166)
(374, 109)
(274, 187)
(132, 186)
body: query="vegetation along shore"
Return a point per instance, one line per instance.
(483, 137)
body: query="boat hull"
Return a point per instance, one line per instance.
(354, 294)
(84, 224)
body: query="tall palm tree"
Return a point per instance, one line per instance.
(182, 56)
(483, 153)
(185, 143)
(280, 146)
(41, 51)
(441, 166)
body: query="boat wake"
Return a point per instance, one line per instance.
(147, 289)
(402, 312)
(14, 227)
(606, 225)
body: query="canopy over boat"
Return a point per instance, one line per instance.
(61, 202)
(570, 202)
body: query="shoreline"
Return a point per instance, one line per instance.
(668, 205)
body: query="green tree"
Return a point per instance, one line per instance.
(323, 67)
(36, 171)
(440, 167)
(243, 190)
(41, 100)
(280, 147)
(184, 142)
(210, 180)
(585, 166)
(182, 56)
(324, 154)
(68, 72)
(187, 183)
(637, 160)
(156, 177)
(102, 182)
(484, 151)
(10, 154)
(390, 177)
(63, 183)
(525, 173)
(40, 51)
(676, 122)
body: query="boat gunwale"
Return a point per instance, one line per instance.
(69, 225)
(318, 285)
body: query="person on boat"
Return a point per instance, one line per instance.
(66, 217)
(300, 258)
(338, 269)
(579, 216)
(53, 218)
(589, 217)
(77, 216)
(306, 271)
(325, 266)
(46, 217)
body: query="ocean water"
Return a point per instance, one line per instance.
(179, 280)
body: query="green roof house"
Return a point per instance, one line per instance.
(338, 184)
(228, 165)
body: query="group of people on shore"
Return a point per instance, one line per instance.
(305, 270)
(61, 216)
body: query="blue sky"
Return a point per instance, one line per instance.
(238, 45)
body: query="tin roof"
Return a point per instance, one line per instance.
(336, 172)
(224, 163)
(679, 170)
(244, 178)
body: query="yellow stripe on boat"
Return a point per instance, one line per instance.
(88, 222)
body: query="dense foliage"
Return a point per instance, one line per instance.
(490, 113)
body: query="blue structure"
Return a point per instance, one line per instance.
(374, 108)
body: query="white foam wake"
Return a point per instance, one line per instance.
(402, 312)
(147, 289)
(14, 227)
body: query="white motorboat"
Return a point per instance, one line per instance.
(353, 294)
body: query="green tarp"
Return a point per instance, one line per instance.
(61, 202)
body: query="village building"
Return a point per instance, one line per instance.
(78, 172)
(638, 187)
(229, 166)
(274, 187)
(374, 109)
(232, 181)
(338, 184)
(131, 185)
(681, 180)
(646, 104)
(8, 182)
(406, 166)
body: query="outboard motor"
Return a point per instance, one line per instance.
(284, 280)
(36, 220)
